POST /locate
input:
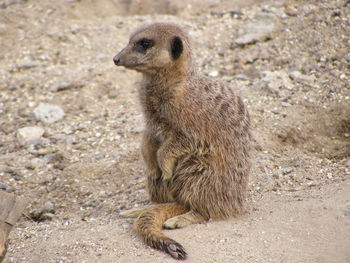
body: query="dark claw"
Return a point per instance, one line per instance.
(176, 251)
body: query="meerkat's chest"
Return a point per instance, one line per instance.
(157, 123)
(157, 111)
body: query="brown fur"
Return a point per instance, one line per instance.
(197, 138)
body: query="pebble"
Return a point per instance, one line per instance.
(48, 207)
(287, 170)
(285, 104)
(266, 87)
(259, 30)
(6, 187)
(277, 79)
(48, 113)
(7, 3)
(58, 137)
(17, 177)
(65, 84)
(45, 213)
(291, 11)
(214, 73)
(42, 151)
(30, 135)
(138, 129)
(46, 180)
(53, 157)
(36, 163)
(26, 63)
(275, 111)
(299, 77)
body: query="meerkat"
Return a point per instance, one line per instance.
(196, 143)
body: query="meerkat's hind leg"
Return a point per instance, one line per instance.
(134, 212)
(184, 220)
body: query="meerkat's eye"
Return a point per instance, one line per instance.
(143, 44)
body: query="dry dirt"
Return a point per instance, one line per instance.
(86, 168)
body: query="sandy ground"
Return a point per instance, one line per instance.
(293, 74)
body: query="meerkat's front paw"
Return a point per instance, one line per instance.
(166, 174)
(167, 167)
(183, 220)
(176, 222)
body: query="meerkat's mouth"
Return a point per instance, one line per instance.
(133, 65)
(128, 65)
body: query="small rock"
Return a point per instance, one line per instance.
(26, 63)
(43, 151)
(58, 137)
(332, 90)
(236, 13)
(30, 135)
(299, 77)
(287, 98)
(58, 160)
(48, 207)
(347, 211)
(287, 170)
(275, 174)
(46, 180)
(45, 213)
(47, 216)
(54, 157)
(214, 73)
(36, 163)
(252, 73)
(291, 11)
(138, 129)
(277, 79)
(6, 187)
(263, 85)
(241, 77)
(17, 177)
(276, 111)
(259, 30)
(285, 104)
(65, 84)
(48, 113)
(7, 3)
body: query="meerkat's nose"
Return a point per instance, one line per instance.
(116, 60)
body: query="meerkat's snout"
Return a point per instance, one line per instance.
(119, 59)
(135, 55)
(116, 60)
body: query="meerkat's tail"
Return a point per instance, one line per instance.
(149, 225)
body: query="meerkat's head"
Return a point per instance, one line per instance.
(156, 48)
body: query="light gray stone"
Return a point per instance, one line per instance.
(299, 77)
(48, 113)
(258, 30)
(30, 135)
(65, 84)
(277, 79)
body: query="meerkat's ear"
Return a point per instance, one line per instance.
(176, 47)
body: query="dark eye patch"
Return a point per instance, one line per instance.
(143, 44)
